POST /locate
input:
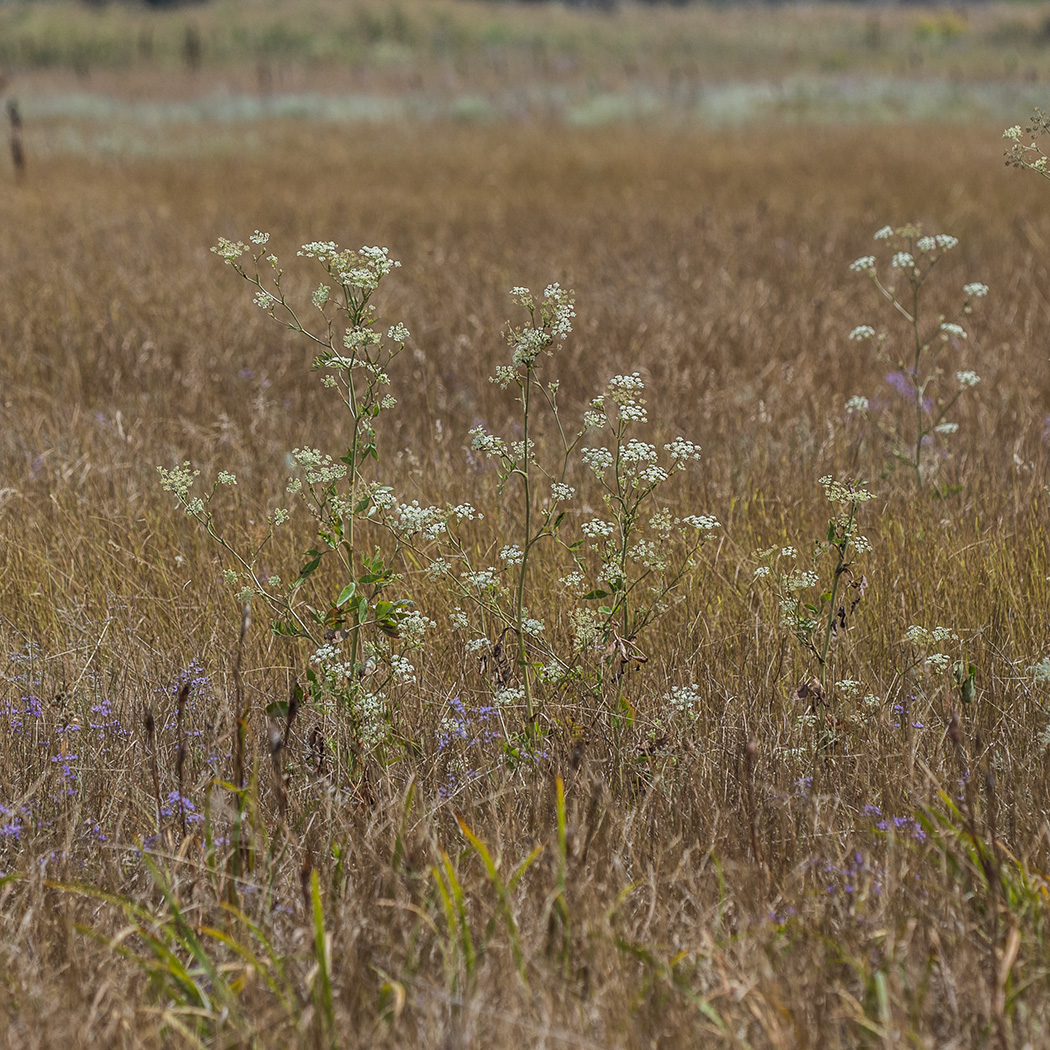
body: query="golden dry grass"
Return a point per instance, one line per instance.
(715, 894)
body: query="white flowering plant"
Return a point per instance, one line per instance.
(624, 565)
(935, 655)
(817, 606)
(349, 622)
(1025, 151)
(636, 555)
(915, 421)
(496, 596)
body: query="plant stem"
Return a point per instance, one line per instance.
(526, 677)
(842, 546)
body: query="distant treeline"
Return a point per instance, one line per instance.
(610, 5)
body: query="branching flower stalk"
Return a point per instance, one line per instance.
(353, 358)
(817, 617)
(554, 324)
(916, 379)
(550, 322)
(644, 550)
(1029, 154)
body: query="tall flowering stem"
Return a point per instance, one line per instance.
(814, 610)
(352, 357)
(550, 322)
(917, 365)
(644, 550)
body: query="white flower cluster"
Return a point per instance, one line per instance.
(865, 264)
(801, 579)
(586, 627)
(465, 512)
(329, 659)
(861, 332)
(558, 310)
(438, 568)
(369, 267)
(967, 378)
(374, 727)
(975, 290)
(527, 346)
(924, 640)
(531, 626)
(649, 555)
(684, 698)
(318, 250)
(598, 459)
(949, 328)
(624, 391)
(861, 544)
(177, 480)
(701, 522)
(229, 251)
(857, 405)
(358, 338)
(652, 475)
(402, 670)
(560, 492)
(594, 418)
(488, 444)
(481, 580)
(844, 492)
(682, 451)
(554, 324)
(319, 468)
(903, 261)
(429, 522)
(553, 672)
(382, 496)
(922, 637)
(635, 452)
(510, 697)
(511, 554)
(597, 528)
(413, 628)
(661, 521)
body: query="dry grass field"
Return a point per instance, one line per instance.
(681, 847)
